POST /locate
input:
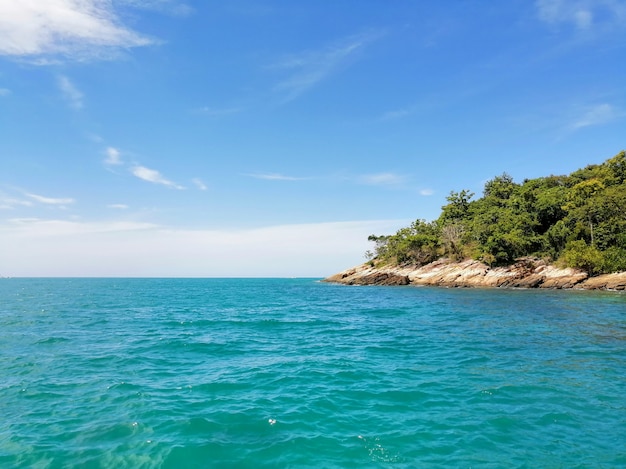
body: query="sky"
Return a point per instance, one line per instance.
(252, 138)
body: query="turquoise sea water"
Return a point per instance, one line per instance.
(185, 373)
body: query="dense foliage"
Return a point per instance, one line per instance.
(577, 221)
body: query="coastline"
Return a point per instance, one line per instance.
(525, 273)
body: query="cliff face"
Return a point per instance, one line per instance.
(526, 273)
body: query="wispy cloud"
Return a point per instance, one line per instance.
(426, 192)
(5, 92)
(36, 227)
(383, 179)
(199, 184)
(24, 198)
(76, 29)
(10, 203)
(217, 112)
(583, 14)
(276, 177)
(50, 200)
(73, 95)
(309, 68)
(153, 176)
(597, 115)
(389, 179)
(113, 157)
(118, 206)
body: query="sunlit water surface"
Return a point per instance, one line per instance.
(184, 373)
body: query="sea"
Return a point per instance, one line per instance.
(296, 373)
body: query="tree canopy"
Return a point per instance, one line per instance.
(577, 221)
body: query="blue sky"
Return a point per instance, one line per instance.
(270, 138)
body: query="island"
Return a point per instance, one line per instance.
(549, 232)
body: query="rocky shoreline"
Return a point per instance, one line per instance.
(525, 273)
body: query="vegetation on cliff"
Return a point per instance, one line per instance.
(576, 221)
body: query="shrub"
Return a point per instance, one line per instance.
(579, 255)
(614, 260)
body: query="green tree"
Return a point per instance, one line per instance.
(380, 246)
(617, 168)
(579, 219)
(580, 255)
(417, 244)
(501, 187)
(457, 208)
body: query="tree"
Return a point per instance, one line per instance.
(580, 255)
(417, 244)
(457, 207)
(380, 246)
(579, 219)
(617, 167)
(581, 206)
(501, 187)
(452, 238)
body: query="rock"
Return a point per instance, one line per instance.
(381, 278)
(525, 273)
(606, 282)
(365, 275)
(563, 278)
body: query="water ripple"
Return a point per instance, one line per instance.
(293, 373)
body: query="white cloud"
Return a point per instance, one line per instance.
(152, 175)
(41, 228)
(72, 94)
(383, 179)
(597, 115)
(378, 179)
(583, 14)
(10, 203)
(78, 29)
(113, 157)
(310, 68)
(199, 184)
(51, 201)
(118, 206)
(5, 92)
(65, 248)
(276, 177)
(426, 192)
